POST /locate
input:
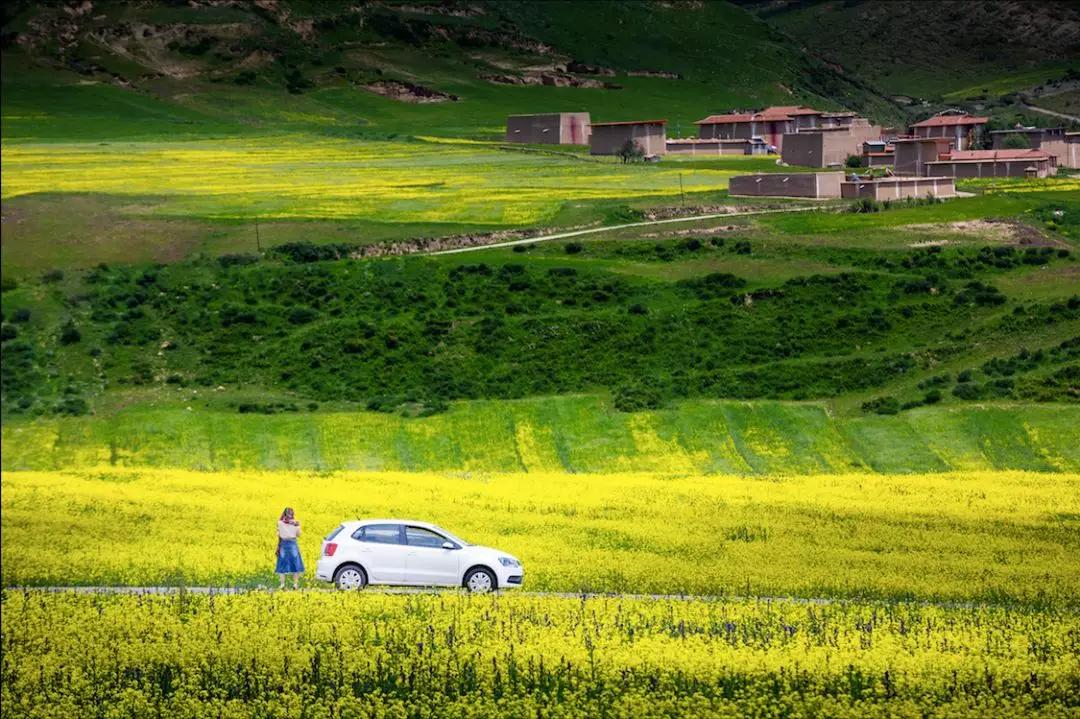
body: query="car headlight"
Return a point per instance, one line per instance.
(509, 562)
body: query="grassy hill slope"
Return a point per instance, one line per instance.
(135, 70)
(931, 50)
(567, 434)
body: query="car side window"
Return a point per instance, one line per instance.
(420, 537)
(379, 534)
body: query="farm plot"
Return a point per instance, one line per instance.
(993, 536)
(341, 655)
(311, 178)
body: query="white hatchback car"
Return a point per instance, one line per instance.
(405, 552)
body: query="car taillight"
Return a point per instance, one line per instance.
(329, 549)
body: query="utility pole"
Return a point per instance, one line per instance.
(258, 242)
(682, 193)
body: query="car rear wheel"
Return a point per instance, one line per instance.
(350, 577)
(479, 581)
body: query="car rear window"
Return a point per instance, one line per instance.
(335, 533)
(379, 534)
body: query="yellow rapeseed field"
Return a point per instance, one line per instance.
(323, 655)
(304, 177)
(963, 536)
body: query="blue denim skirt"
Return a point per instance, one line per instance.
(289, 561)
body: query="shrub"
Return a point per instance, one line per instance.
(573, 248)
(52, 276)
(8, 332)
(636, 397)
(234, 260)
(968, 390)
(854, 161)
(865, 205)
(302, 315)
(932, 397)
(69, 333)
(72, 407)
(881, 405)
(21, 315)
(7, 284)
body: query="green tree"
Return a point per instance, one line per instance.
(631, 151)
(1016, 141)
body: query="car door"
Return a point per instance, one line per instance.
(381, 550)
(427, 561)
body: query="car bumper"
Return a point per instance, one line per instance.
(324, 569)
(511, 577)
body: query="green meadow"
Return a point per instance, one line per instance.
(560, 434)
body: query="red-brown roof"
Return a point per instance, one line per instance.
(720, 119)
(949, 120)
(769, 114)
(992, 155)
(630, 122)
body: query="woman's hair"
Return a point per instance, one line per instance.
(288, 513)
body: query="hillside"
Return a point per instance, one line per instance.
(110, 69)
(205, 195)
(941, 51)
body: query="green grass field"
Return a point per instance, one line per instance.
(566, 434)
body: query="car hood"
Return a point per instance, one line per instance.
(480, 550)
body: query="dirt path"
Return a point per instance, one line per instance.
(1063, 116)
(609, 228)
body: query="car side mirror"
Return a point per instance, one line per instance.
(449, 545)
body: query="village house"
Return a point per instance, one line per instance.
(553, 128)
(897, 188)
(1047, 139)
(878, 153)
(817, 185)
(828, 146)
(1072, 149)
(610, 137)
(773, 124)
(992, 163)
(770, 124)
(715, 146)
(958, 127)
(910, 154)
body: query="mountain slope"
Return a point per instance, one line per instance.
(929, 50)
(116, 69)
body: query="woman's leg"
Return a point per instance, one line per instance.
(296, 580)
(281, 581)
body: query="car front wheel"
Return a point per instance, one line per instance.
(479, 581)
(350, 577)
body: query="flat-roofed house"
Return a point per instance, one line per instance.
(828, 146)
(609, 137)
(1047, 139)
(910, 154)
(553, 128)
(897, 188)
(959, 128)
(696, 146)
(1072, 149)
(817, 185)
(992, 163)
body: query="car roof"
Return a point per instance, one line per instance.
(410, 522)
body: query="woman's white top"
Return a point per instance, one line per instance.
(287, 531)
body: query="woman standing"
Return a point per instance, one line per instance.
(288, 552)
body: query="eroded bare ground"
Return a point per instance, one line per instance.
(1003, 231)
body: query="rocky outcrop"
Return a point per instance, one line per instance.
(408, 92)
